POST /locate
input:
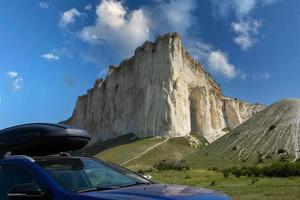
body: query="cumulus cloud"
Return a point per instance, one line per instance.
(69, 16)
(217, 60)
(173, 15)
(12, 74)
(88, 7)
(246, 30)
(43, 5)
(240, 8)
(17, 82)
(124, 29)
(50, 56)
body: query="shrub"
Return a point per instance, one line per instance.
(226, 129)
(272, 127)
(187, 177)
(214, 169)
(253, 181)
(165, 166)
(275, 170)
(226, 173)
(280, 151)
(260, 158)
(212, 183)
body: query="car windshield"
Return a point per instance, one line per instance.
(87, 174)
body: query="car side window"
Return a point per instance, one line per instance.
(12, 175)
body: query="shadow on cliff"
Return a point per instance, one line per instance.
(103, 145)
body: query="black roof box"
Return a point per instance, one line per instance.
(42, 139)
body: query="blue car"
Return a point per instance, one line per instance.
(46, 174)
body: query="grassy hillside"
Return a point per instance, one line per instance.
(271, 135)
(144, 153)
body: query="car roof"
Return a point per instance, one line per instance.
(41, 158)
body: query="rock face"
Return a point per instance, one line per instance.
(270, 134)
(160, 91)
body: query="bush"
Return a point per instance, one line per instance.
(280, 151)
(274, 170)
(214, 169)
(226, 173)
(226, 129)
(166, 166)
(272, 127)
(253, 181)
(260, 158)
(187, 177)
(212, 183)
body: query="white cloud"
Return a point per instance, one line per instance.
(240, 8)
(261, 76)
(88, 7)
(17, 82)
(171, 16)
(218, 62)
(69, 16)
(43, 5)
(115, 24)
(12, 74)
(246, 30)
(124, 30)
(50, 56)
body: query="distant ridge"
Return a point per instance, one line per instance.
(272, 134)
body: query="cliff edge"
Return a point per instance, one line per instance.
(160, 91)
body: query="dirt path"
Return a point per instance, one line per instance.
(146, 151)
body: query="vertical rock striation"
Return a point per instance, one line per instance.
(160, 91)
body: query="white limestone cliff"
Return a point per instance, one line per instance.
(160, 91)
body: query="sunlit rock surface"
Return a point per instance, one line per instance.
(160, 91)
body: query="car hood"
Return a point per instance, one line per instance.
(156, 191)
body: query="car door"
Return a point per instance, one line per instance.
(12, 175)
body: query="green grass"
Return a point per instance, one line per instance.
(241, 188)
(171, 149)
(200, 159)
(123, 153)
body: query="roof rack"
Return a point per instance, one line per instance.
(65, 154)
(18, 156)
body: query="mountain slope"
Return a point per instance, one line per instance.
(146, 152)
(272, 134)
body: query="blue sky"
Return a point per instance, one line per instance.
(52, 51)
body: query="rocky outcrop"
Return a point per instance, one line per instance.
(160, 91)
